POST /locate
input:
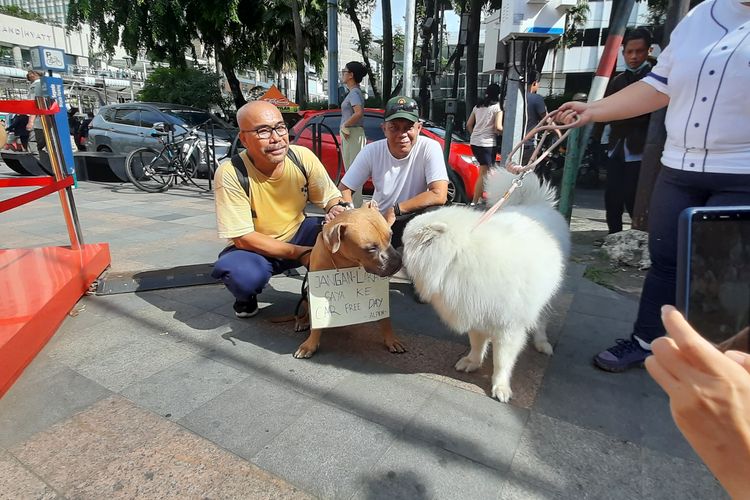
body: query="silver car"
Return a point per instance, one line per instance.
(121, 128)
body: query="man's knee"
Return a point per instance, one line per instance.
(244, 273)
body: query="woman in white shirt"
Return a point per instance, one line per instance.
(484, 124)
(702, 78)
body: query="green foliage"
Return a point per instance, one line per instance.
(575, 19)
(241, 33)
(16, 11)
(374, 102)
(188, 86)
(278, 34)
(316, 104)
(657, 11)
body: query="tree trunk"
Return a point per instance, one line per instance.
(352, 13)
(301, 97)
(387, 50)
(227, 64)
(472, 54)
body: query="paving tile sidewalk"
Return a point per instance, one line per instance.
(164, 394)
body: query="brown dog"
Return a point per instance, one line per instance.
(354, 238)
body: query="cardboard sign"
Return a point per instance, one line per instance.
(346, 297)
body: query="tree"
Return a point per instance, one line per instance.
(354, 9)
(285, 52)
(188, 86)
(16, 11)
(387, 63)
(240, 33)
(475, 8)
(299, 46)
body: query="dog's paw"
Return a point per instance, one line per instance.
(544, 347)
(305, 350)
(468, 365)
(502, 392)
(301, 325)
(395, 346)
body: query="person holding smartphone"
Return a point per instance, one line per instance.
(701, 77)
(709, 394)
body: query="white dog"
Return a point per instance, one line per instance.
(494, 280)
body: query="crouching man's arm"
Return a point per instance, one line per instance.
(436, 195)
(271, 247)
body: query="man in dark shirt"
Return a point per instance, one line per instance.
(535, 111)
(627, 137)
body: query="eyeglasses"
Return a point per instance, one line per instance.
(345, 71)
(265, 132)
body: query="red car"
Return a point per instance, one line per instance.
(319, 131)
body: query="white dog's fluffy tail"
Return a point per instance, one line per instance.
(530, 193)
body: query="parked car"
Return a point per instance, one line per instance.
(121, 128)
(462, 175)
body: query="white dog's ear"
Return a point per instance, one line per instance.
(332, 236)
(431, 231)
(372, 204)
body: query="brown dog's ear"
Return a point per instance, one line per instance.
(332, 237)
(372, 204)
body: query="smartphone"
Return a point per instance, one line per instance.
(713, 273)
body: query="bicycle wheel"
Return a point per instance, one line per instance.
(148, 170)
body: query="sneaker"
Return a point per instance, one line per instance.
(623, 356)
(246, 309)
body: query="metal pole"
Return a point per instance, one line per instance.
(514, 118)
(411, 6)
(618, 21)
(570, 173)
(448, 138)
(333, 54)
(55, 157)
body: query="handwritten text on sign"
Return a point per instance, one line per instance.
(346, 297)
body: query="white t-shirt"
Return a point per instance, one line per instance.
(484, 131)
(397, 180)
(704, 71)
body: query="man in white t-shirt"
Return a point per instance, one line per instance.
(407, 170)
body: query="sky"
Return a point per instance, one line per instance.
(398, 13)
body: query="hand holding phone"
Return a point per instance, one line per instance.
(713, 274)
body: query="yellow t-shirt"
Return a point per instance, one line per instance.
(275, 206)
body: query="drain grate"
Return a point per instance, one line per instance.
(112, 283)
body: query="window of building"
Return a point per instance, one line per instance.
(591, 37)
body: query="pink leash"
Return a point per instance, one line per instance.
(546, 125)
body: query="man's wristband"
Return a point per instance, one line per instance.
(396, 209)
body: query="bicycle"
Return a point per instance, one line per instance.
(155, 171)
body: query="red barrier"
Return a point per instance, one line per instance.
(40, 285)
(27, 107)
(25, 198)
(26, 181)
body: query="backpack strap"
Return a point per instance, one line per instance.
(295, 159)
(239, 167)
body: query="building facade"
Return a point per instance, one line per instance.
(52, 10)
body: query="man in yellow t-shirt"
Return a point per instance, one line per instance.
(267, 227)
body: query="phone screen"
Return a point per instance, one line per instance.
(718, 301)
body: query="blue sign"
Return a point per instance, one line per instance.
(47, 58)
(53, 87)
